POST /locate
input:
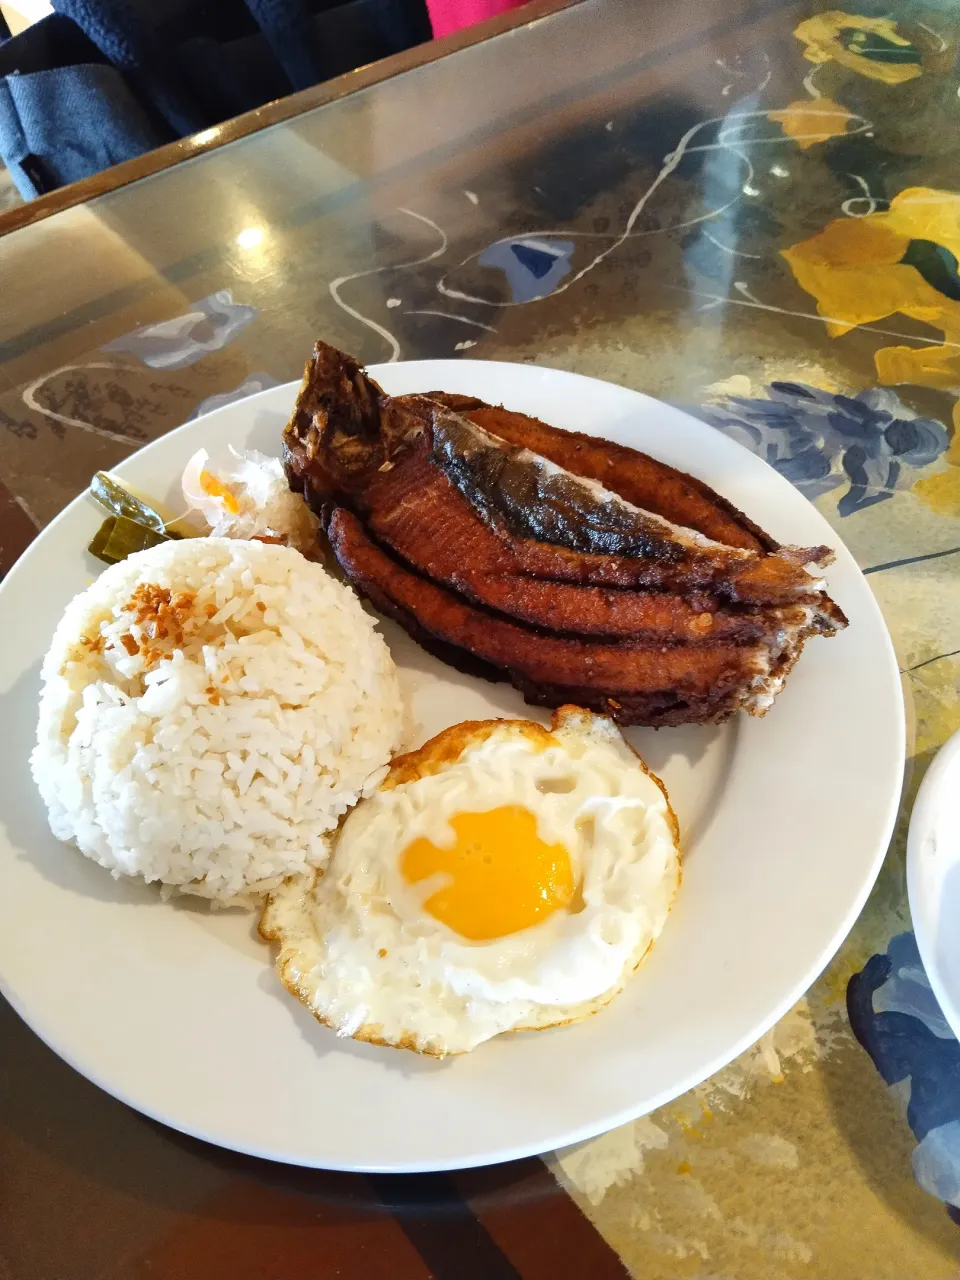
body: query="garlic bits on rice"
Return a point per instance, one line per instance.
(209, 709)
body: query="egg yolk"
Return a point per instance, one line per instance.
(503, 877)
(217, 489)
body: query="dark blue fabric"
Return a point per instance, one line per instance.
(125, 34)
(290, 31)
(227, 80)
(104, 80)
(61, 125)
(302, 39)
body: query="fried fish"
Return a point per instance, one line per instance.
(580, 570)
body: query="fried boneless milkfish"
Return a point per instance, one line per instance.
(580, 570)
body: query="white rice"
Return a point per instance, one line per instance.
(215, 758)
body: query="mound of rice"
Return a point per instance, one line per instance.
(210, 708)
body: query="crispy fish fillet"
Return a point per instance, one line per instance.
(635, 476)
(431, 502)
(345, 431)
(416, 511)
(496, 556)
(529, 655)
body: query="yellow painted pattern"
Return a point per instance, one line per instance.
(821, 36)
(812, 120)
(941, 491)
(854, 270)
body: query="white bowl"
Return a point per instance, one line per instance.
(933, 877)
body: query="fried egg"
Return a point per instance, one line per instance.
(503, 877)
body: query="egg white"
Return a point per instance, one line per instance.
(364, 955)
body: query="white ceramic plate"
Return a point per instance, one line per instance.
(933, 877)
(177, 1012)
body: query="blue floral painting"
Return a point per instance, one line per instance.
(210, 324)
(868, 445)
(895, 1016)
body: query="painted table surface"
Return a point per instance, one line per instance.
(751, 210)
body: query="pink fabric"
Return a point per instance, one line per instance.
(452, 15)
